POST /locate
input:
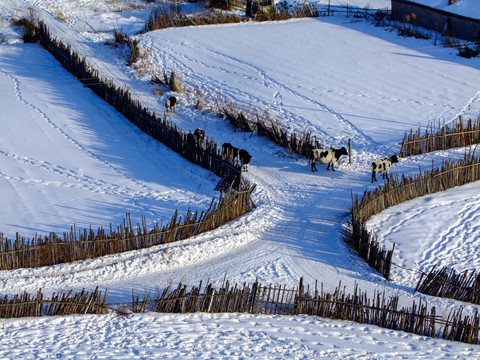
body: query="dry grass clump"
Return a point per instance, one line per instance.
(29, 24)
(466, 50)
(59, 14)
(157, 91)
(281, 11)
(119, 6)
(165, 17)
(135, 52)
(175, 83)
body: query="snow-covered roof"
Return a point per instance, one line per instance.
(468, 8)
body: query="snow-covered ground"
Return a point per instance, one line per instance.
(68, 158)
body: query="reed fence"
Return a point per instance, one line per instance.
(397, 191)
(258, 299)
(368, 248)
(86, 244)
(73, 246)
(450, 284)
(297, 143)
(446, 137)
(205, 153)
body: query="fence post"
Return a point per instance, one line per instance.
(350, 151)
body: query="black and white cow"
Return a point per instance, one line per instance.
(383, 166)
(171, 103)
(326, 156)
(245, 158)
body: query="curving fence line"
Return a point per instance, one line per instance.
(205, 153)
(86, 244)
(259, 299)
(397, 191)
(446, 137)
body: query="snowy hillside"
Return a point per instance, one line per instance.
(68, 158)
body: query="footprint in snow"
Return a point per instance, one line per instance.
(278, 98)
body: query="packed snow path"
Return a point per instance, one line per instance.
(294, 231)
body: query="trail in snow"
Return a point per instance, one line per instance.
(230, 92)
(141, 190)
(293, 232)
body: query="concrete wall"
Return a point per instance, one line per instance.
(444, 22)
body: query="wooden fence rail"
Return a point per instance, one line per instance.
(446, 137)
(258, 299)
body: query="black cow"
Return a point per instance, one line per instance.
(171, 103)
(245, 158)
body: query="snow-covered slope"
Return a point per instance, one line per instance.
(69, 158)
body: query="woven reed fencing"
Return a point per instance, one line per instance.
(446, 137)
(258, 299)
(86, 244)
(450, 284)
(297, 143)
(368, 248)
(395, 192)
(73, 246)
(205, 153)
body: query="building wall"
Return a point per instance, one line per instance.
(444, 22)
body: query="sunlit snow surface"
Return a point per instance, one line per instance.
(67, 158)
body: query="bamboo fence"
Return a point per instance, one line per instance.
(397, 191)
(86, 244)
(446, 137)
(258, 299)
(205, 153)
(264, 126)
(447, 283)
(369, 249)
(54, 249)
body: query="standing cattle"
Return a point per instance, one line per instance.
(171, 103)
(383, 166)
(326, 156)
(245, 158)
